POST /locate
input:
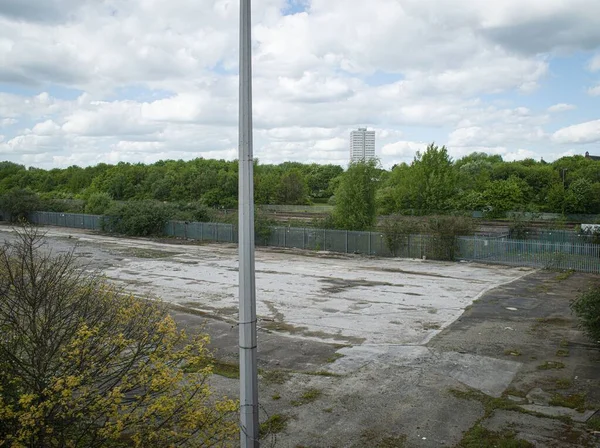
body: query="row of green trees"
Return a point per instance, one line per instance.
(432, 183)
(212, 182)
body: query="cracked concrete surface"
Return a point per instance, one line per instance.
(383, 339)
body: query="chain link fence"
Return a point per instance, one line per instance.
(561, 253)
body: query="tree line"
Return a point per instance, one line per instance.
(433, 183)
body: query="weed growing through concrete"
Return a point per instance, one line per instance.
(273, 425)
(562, 352)
(275, 377)
(509, 352)
(550, 365)
(564, 275)
(308, 396)
(574, 401)
(563, 383)
(478, 436)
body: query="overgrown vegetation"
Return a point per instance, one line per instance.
(431, 183)
(587, 309)
(84, 365)
(308, 396)
(479, 437)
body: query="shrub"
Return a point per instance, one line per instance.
(193, 212)
(138, 218)
(444, 231)
(396, 229)
(587, 309)
(83, 365)
(98, 203)
(18, 204)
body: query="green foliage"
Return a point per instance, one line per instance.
(193, 212)
(292, 188)
(98, 203)
(444, 231)
(397, 229)
(432, 182)
(355, 197)
(263, 227)
(19, 203)
(587, 309)
(502, 196)
(138, 218)
(85, 365)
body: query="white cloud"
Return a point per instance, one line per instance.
(594, 64)
(156, 78)
(561, 107)
(588, 132)
(594, 91)
(403, 149)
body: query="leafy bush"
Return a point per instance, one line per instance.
(193, 212)
(396, 229)
(138, 218)
(587, 308)
(444, 231)
(84, 365)
(17, 204)
(98, 203)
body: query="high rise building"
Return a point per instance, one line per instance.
(362, 145)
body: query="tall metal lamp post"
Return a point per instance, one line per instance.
(247, 323)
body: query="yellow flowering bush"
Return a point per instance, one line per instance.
(84, 365)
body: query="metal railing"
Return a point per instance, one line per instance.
(563, 253)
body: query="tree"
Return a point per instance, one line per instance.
(355, 197)
(85, 365)
(19, 203)
(292, 188)
(502, 196)
(434, 179)
(98, 203)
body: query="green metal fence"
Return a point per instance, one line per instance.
(565, 252)
(539, 254)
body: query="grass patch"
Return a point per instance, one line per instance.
(562, 352)
(514, 392)
(593, 424)
(551, 365)
(276, 397)
(308, 396)
(333, 358)
(372, 437)
(221, 368)
(275, 377)
(273, 425)
(328, 410)
(564, 343)
(574, 401)
(322, 373)
(564, 275)
(490, 404)
(509, 352)
(478, 437)
(563, 383)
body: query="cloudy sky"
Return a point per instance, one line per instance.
(89, 81)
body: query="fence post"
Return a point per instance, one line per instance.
(346, 241)
(304, 238)
(284, 238)
(369, 243)
(324, 239)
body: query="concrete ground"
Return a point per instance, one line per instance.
(362, 352)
